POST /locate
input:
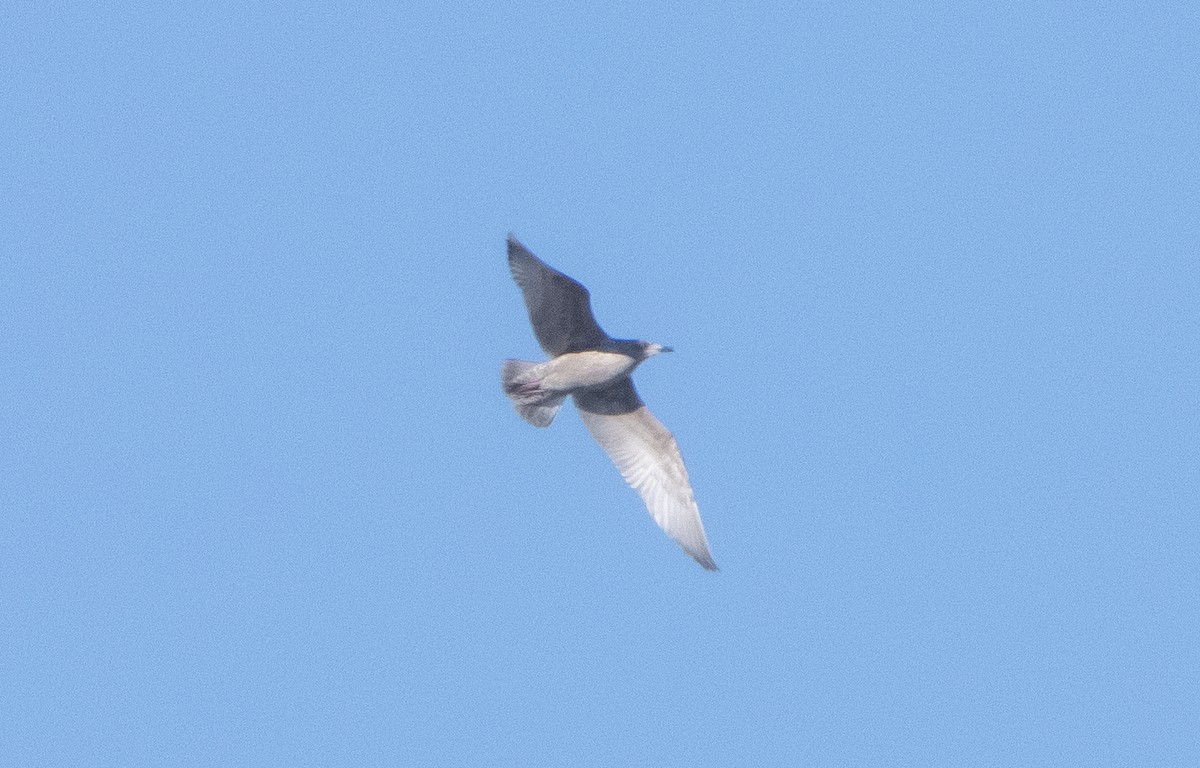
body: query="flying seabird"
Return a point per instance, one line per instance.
(594, 368)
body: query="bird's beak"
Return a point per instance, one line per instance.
(661, 348)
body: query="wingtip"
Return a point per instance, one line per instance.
(705, 560)
(517, 249)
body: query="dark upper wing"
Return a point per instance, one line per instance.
(559, 308)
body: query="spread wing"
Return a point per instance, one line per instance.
(560, 309)
(648, 458)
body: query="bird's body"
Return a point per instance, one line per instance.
(594, 368)
(586, 370)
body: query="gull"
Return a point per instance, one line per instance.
(594, 368)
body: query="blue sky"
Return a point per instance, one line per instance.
(931, 277)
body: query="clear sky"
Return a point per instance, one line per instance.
(931, 277)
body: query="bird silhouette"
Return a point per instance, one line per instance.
(594, 368)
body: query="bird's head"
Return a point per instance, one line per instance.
(638, 350)
(650, 349)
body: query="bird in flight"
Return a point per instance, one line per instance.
(594, 368)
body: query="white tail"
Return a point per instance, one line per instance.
(522, 382)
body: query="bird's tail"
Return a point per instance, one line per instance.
(522, 383)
